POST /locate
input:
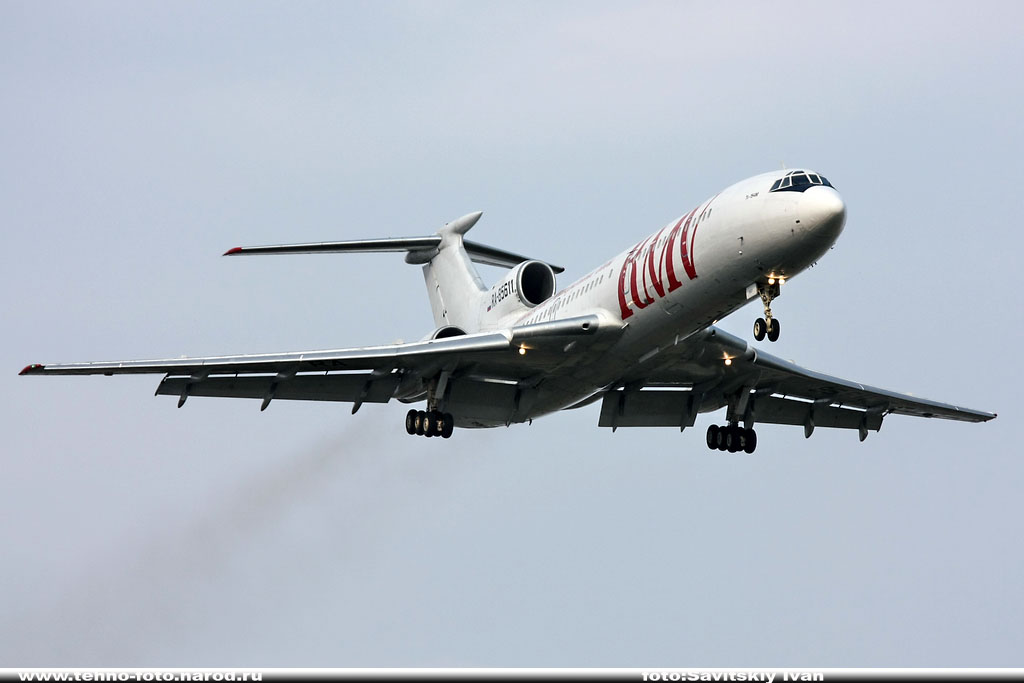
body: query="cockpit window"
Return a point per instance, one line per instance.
(798, 181)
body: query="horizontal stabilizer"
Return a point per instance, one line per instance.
(493, 256)
(423, 249)
(429, 242)
(418, 249)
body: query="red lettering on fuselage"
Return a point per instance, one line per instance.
(686, 243)
(654, 268)
(624, 310)
(658, 256)
(641, 299)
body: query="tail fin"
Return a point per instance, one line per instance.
(453, 284)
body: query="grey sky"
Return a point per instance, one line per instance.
(141, 140)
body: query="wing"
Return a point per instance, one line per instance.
(713, 369)
(372, 374)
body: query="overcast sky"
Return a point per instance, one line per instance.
(141, 140)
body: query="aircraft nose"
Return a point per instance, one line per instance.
(823, 212)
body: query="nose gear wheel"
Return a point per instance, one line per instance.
(768, 326)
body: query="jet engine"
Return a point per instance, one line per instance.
(527, 285)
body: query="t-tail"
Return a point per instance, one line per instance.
(460, 301)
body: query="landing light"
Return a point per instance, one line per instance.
(522, 350)
(771, 281)
(728, 361)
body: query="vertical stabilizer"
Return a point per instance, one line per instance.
(453, 285)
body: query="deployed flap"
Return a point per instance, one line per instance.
(361, 387)
(667, 408)
(774, 410)
(648, 409)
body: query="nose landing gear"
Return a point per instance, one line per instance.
(768, 326)
(429, 423)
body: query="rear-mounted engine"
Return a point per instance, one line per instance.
(527, 285)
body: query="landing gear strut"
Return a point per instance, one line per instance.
(429, 423)
(768, 326)
(732, 438)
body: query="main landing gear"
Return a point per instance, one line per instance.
(768, 326)
(732, 438)
(429, 423)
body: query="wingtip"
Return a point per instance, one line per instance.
(232, 250)
(29, 369)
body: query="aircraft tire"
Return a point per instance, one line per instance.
(750, 441)
(720, 439)
(732, 439)
(429, 424)
(760, 329)
(419, 423)
(448, 426)
(713, 437)
(774, 330)
(410, 422)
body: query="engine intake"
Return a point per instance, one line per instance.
(527, 285)
(536, 282)
(447, 331)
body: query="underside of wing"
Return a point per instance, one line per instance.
(471, 365)
(713, 369)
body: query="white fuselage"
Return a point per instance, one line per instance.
(678, 281)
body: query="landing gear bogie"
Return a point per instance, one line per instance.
(429, 423)
(731, 438)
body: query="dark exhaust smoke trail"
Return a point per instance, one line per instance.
(132, 603)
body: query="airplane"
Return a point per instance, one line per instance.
(636, 334)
